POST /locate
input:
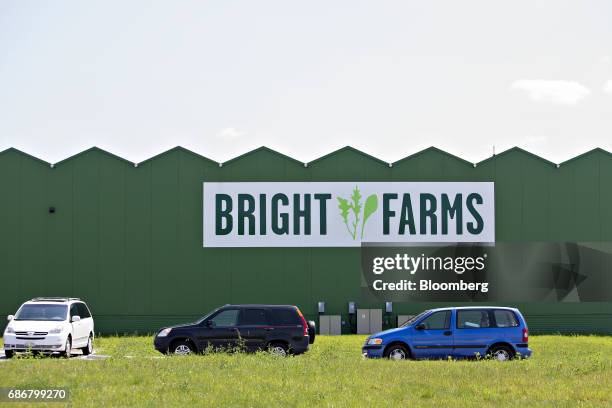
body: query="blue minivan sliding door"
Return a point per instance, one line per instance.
(473, 332)
(435, 339)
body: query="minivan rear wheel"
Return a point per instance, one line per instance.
(501, 353)
(397, 352)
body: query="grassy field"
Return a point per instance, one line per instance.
(564, 371)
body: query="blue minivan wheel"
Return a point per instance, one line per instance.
(501, 353)
(397, 352)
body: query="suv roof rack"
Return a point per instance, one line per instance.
(53, 299)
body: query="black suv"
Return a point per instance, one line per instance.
(280, 329)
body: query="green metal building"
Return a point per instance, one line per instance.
(127, 237)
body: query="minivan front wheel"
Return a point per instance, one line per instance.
(68, 348)
(88, 349)
(397, 352)
(501, 353)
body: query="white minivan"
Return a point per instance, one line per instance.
(50, 325)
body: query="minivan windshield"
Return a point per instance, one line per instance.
(42, 312)
(414, 319)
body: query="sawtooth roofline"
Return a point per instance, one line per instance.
(313, 162)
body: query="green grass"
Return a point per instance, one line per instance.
(564, 371)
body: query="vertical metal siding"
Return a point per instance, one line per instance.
(129, 240)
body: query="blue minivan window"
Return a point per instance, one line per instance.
(472, 319)
(414, 319)
(437, 321)
(505, 318)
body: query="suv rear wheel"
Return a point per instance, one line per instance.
(278, 349)
(397, 352)
(8, 353)
(501, 353)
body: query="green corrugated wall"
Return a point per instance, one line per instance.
(128, 239)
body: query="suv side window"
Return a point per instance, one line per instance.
(226, 318)
(437, 321)
(83, 310)
(473, 319)
(505, 318)
(253, 317)
(284, 317)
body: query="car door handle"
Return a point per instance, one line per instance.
(448, 333)
(269, 328)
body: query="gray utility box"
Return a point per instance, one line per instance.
(401, 319)
(330, 325)
(369, 321)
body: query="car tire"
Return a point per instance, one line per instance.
(501, 353)
(312, 331)
(397, 352)
(278, 349)
(9, 353)
(66, 353)
(88, 349)
(181, 348)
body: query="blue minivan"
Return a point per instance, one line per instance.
(458, 332)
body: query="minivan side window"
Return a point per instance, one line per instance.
(472, 319)
(226, 318)
(74, 311)
(437, 321)
(505, 318)
(253, 317)
(83, 311)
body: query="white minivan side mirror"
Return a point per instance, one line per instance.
(10, 317)
(76, 318)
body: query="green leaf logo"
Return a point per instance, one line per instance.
(353, 206)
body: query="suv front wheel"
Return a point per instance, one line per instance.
(181, 348)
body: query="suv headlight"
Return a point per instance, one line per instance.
(375, 341)
(56, 330)
(164, 332)
(9, 330)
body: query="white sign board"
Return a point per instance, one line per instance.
(344, 214)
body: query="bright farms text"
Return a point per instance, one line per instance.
(285, 214)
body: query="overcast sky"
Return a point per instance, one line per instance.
(305, 78)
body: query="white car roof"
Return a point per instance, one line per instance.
(53, 300)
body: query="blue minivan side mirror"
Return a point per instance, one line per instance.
(420, 327)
